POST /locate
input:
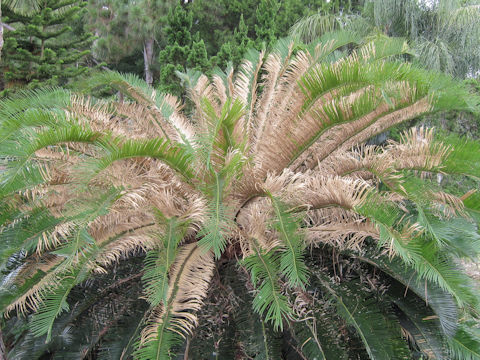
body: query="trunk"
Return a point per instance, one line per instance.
(148, 59)
(1, 30)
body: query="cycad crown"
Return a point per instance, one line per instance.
(269, 164)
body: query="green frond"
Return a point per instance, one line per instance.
(465, 345)
(458, 235)
(38, 99)
(25, 178)
(11, 291)
(219, 137)
(383, 47)
(128, 84)
(119, 345)
(55, 302)
(317, 335)
(188, 78)
(472, 205)
(158, 263)
(436, 267)
(271, 348)
(439, 300)
(406, 241)
(464, 159)
(292, 265)
(80, 243)
(24, 230)
(269, 300)
(323, 48)
(22, 150)
(175, 156)
(11, 127)
(378, 330)
(420, 322)
(312, 27)
(174, 319)
(212, 233)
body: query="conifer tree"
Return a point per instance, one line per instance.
(198, 58)
(233, 50)
(265, 26)
(45, 47)
(181, 52)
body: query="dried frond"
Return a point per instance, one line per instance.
(340, 235)
(450, 205)
(321, 192)
(189, 281)
(127, 245)
(385, 122)
(32, 298)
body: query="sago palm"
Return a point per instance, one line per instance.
(346, 250)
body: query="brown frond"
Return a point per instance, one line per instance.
(182, 126)
(32, 298)
(322, 192)
(189, 281)
(33, 264)
(338, 227)
(51, 239)
(342, 236)
(97, 116)
(246, 91)
(126, 246)
(255, 220)
(404, 235)
(450, 205)
(386, 122)
(286, 186)
(417, 150)
(274, 68)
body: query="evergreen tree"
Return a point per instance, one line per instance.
(45, 47)
(265, 26)
(128, 33)
(197, 58)
(180, 52)
(233, 50)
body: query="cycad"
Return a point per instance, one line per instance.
(268, 169)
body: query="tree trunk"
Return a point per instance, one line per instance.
(1, 30)
(148, 59)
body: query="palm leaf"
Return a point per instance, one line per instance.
(291, 259)
(171, 154)
(269, 301)
(158, 263)
(420, 322)
(440, 301)
(188, 286)
(379, 331)
(55, 303)
(465, 345)
(212, 234)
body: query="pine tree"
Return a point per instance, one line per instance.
(45, 48)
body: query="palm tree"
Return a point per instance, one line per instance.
(444, 34)
(269, 164)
